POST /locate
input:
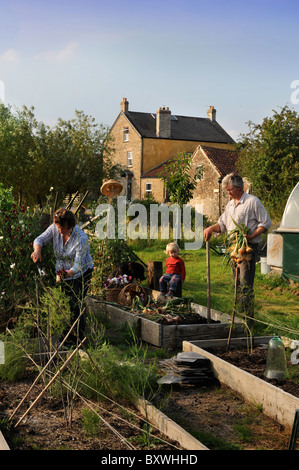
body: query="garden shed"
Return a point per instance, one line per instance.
(289, 231)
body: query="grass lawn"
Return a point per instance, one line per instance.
(276, 301)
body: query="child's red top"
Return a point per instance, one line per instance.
(176, 266)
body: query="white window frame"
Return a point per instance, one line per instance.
(130, 158)
(148, 190)
(126, 134)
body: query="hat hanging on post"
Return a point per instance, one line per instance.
(111, 188)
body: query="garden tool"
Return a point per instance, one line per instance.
(39, 268)
(208, 281)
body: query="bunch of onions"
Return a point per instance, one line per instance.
(237, 249)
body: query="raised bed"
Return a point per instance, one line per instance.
(276, 403)
(168, 336)
(168, 427)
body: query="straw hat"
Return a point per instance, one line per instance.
(111, 188)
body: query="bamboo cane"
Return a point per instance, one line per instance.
(50, 382)
(234, 307)
(44, 368)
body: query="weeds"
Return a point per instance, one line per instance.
(91, 423)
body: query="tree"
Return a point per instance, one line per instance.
(68, 157)
(16, 145)
(177, 179)
(75, 152)
(269, 158)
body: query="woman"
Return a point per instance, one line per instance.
(74, 263)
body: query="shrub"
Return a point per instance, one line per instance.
(19, 226)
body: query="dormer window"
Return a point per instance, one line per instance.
(126, 134)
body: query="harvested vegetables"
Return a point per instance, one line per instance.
(175, 310)
(236, 243)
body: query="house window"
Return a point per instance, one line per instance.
(148, 188)
(126, 134)
(200, 171)
(130, 158)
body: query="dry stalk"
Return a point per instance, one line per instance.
(51, 381)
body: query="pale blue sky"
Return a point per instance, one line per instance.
(239, 56)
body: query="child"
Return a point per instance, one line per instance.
(175, 270)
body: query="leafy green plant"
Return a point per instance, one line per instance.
(91, 423)
(107, 254)
(17, 346)
(177, 179)
(145, 438)
(19, 226)
(269, 157)
(55, 312)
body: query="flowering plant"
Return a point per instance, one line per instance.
(18, 228)
(117, 281)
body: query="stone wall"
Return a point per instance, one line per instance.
(122, 147)
(208, 191)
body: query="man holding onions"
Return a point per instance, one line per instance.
(245, 210)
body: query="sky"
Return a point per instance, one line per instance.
(239, 56)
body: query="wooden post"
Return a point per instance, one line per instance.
(155, 271)
(234, 307)
(208, 282)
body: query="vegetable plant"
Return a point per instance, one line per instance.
(236, 243)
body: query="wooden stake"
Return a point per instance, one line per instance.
(44, 368)
(208, 282)
(50, 382)
(234, 307)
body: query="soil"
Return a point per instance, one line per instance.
(255, 363)
(223, 418)
(45, 428)
(215, 415)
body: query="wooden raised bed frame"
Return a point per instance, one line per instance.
(168, 336)
(276, 403)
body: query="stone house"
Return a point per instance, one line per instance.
(145, 142)
(216, 164)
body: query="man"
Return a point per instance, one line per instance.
(248, 210)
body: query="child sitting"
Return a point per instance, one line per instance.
(175, 270)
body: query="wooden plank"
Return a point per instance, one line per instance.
(166, 336)
(173, 335)
(235, 342)
(116, 315)
(215, 314)
(168, 427)
(276, 403)
(151, 332)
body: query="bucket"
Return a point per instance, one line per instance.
(265, 268)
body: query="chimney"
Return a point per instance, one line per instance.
(124, 105)
(211, 113)
(163, 122)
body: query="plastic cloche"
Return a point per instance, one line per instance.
(276, 365)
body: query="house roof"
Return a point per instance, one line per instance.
(182, 128)
(224, 161)
(154, 172)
